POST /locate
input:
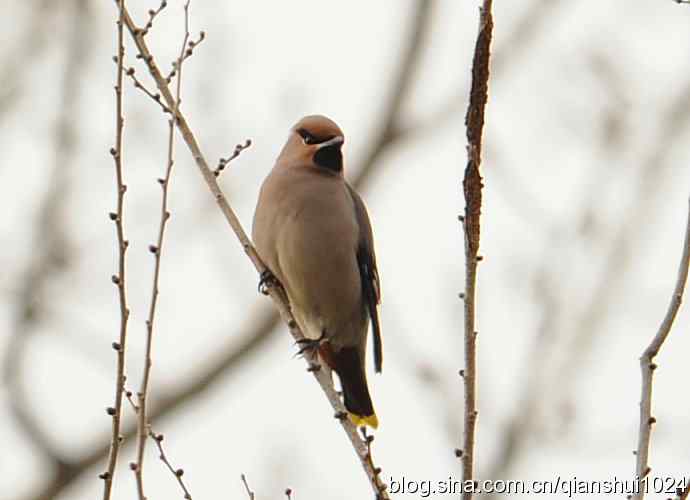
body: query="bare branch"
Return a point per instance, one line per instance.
(158, 439)
(120, 278)
(138, 85)
(647, 365)
(187, 52)
(223, 162)
(153, 14)
(178, 473)
(128, 395)
(250, 493)
(472, 186)
(143, 425)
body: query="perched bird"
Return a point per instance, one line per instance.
(312, 231)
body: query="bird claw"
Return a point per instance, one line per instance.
(266, 281)
(310, 345)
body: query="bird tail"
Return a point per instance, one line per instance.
(348, 364)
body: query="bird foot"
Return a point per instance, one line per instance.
(310, 345)
(266, 281)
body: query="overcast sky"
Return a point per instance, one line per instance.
(587, 182)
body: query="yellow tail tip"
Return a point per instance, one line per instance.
(362, 420)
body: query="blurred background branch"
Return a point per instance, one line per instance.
(52, 249)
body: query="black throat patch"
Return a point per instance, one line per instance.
(330, 158)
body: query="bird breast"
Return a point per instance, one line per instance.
(317, 252)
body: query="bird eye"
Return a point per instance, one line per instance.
(307, 137)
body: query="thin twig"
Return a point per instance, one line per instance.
(128, 394)
(647, 365)
(138, 85)
(187, 52)
(472, 187)
(275, 292)
(158, 439)
(143, 427)
(118, 279)
(153, 14)
(250, 493)
(223, 162)
(178, 473)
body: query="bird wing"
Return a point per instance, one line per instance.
(371, 287)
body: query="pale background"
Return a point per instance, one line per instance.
(587, 180)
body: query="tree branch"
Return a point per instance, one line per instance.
(472, 187)
(250, 493)
(120, 278)
(647, 365)
(143, 425)
(177, 473)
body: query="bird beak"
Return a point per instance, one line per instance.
(337, 141)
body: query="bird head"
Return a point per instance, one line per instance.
(315, 141)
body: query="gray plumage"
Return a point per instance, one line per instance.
(312, 231)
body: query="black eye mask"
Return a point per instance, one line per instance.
(308, 138)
